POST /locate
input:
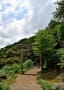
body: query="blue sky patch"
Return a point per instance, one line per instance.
(18, 14)
(5, 6)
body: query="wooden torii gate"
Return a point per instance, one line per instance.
(27, 48)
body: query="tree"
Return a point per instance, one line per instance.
(60, 52)
(59, 14)
(53, 23)
(46, 43)
(58, 33)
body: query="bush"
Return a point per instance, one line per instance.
(44, 84)
(10, 69)
(16, 68)
(28, 64)
(60, 53)
(4, 86)
(8, 72)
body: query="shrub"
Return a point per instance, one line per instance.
(10, 69)
(8, 72)
(44, 84)
(16, 68)
(27, 64)
(60, 53)
(4, 86)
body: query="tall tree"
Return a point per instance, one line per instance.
(59, 14)
(53, 23)
(46, 44)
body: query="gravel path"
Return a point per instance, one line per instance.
(27, 81)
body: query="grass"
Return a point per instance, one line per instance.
(4, 86)
(47, 80)
(45, 85)
(51, 76)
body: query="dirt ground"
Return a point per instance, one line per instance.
(27, 81)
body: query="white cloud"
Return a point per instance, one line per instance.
(0, 7)
(12, 6)
(39, 13)
(54, 1)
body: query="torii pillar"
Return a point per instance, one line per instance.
(22, 60)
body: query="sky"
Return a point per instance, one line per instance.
(23, 18)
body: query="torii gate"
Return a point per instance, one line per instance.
(25, 48)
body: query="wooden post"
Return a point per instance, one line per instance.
(22, 61)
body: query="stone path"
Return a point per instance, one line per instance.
(27, 81)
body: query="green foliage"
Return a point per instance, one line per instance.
(51, 59)
(59, 14)
(10, 69)
(10, 72)
(28, 64)
(60, 31)
(60, 52)
(45, 41)
(44, 84)
(16, 68)
(4, 86)
(53, 23)
(11, 53)
(48, 41)
(45, 46)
